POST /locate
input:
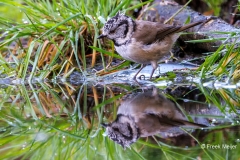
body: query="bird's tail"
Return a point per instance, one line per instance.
(187, 26)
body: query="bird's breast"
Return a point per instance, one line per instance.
(139, 52)
(134, 51)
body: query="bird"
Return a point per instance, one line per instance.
(146, 114)
(141, 41)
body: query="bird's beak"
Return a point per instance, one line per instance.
(104, 125)
(101, 36)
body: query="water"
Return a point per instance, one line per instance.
(114, 118)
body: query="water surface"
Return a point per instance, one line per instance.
(125, 120)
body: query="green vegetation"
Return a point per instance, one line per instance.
(10, 13)
(55, 37)
(215, 5)
(42, 42)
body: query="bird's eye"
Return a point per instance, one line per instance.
(112, 31)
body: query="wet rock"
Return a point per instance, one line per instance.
(163, 10)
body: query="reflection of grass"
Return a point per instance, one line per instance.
(24, 135)
(33, 127)
(209, 138)
(57, 125)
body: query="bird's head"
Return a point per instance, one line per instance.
(118, 28)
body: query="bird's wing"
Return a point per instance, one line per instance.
(164, 120)
(150, 32)
(165, 31)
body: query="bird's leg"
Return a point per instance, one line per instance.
(152, 72)
(154, 65)
(142, 66)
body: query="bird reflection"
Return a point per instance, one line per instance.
(146, 114)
